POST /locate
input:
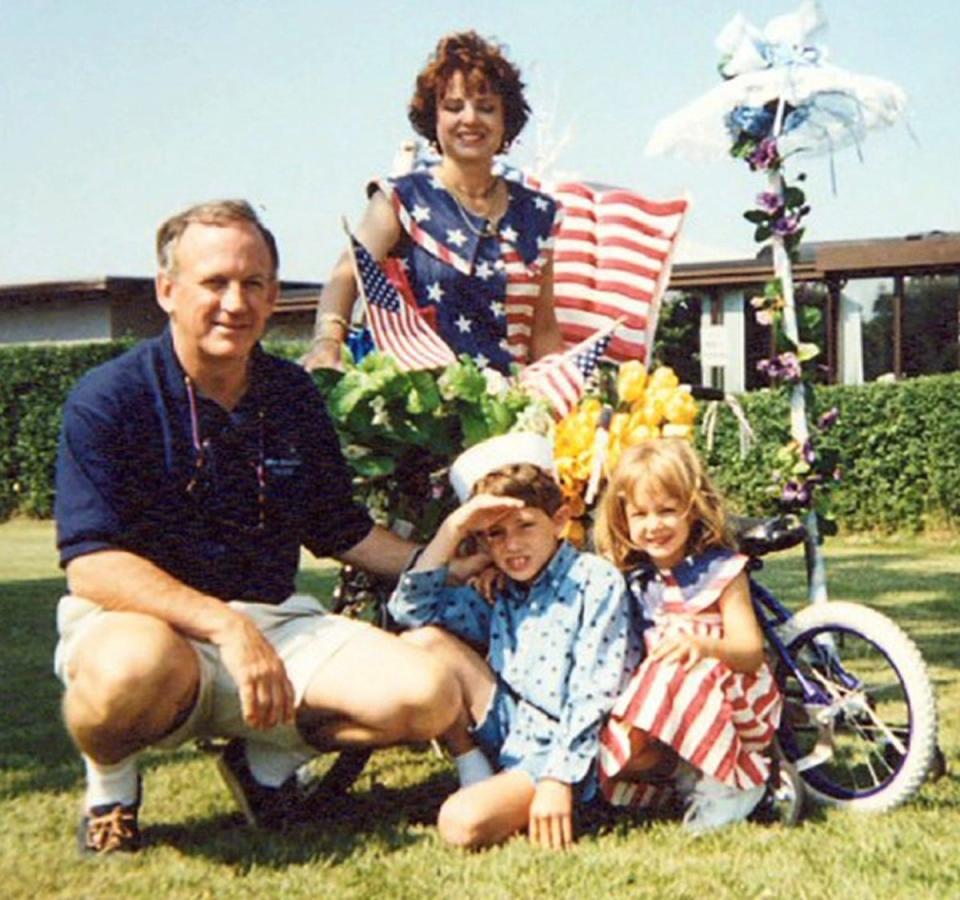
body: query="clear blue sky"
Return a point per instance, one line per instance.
(116, 113)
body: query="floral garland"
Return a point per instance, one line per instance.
(804, 468)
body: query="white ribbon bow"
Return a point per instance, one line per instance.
(785, 40)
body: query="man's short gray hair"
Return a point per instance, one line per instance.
(214, 212)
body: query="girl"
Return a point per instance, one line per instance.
(703, 707)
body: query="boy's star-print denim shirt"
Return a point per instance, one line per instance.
(563, 645)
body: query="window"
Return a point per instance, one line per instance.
(925, 340)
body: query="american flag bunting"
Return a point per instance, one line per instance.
(397, 327)
(612, 256)
(612, 259)
(560, 378)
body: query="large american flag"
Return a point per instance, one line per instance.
(560, 378)
(396, 326)
(612, 259)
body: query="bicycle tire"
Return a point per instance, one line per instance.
(879, 732)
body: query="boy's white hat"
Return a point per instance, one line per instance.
(504, 450)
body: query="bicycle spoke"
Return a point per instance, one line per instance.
(860, 723)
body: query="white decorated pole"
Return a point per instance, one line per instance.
(818, 108)
(799, 426)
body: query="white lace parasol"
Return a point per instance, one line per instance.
(778, 80)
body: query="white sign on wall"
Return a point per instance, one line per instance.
(714, 346)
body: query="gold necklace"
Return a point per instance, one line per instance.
(485, 194)
(489, 228)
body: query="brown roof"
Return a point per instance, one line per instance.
(294, 295)
(932, 253)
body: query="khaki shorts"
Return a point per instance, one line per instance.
(304, 635)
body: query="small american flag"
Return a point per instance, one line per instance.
(397, 328)
(560, 378)
(612, 259)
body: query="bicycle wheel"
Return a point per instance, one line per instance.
(860, 717)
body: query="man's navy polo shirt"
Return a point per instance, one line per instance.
(127, 456)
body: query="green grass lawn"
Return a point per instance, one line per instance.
(382, 843)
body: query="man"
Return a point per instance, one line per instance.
(190, 471)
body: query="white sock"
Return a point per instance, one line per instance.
(747, 797)
(272, 766)
(472, 767)
(111, 782)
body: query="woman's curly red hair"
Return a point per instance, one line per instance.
(484, 67)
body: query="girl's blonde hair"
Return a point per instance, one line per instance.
(668, 467)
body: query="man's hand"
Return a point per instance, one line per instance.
(465, 568)
(551, 815)
(488, 582)
(266, 694)
(124, 582)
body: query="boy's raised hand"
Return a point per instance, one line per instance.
(481, 512)
(477, 514)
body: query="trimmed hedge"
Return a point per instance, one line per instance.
(34, 382)
(901, 441)
(900, 444)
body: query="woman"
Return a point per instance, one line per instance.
(475, 248)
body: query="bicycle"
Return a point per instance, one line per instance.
(859, 724)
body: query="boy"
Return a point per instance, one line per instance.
(540, 667)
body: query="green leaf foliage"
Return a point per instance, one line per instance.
(773, 288)
(34, 383)
(401, 429)
(793, 196)
(895, 445)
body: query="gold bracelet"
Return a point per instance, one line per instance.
(334, 317)
(326, 339)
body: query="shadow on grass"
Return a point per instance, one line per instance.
(894, 573)
(36, 754)
(358, 820)
(926, 604)
(34, 746)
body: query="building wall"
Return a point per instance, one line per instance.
(851, 342)
(291, 326)
(58, 319)
(722, 343)
(137, 316)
